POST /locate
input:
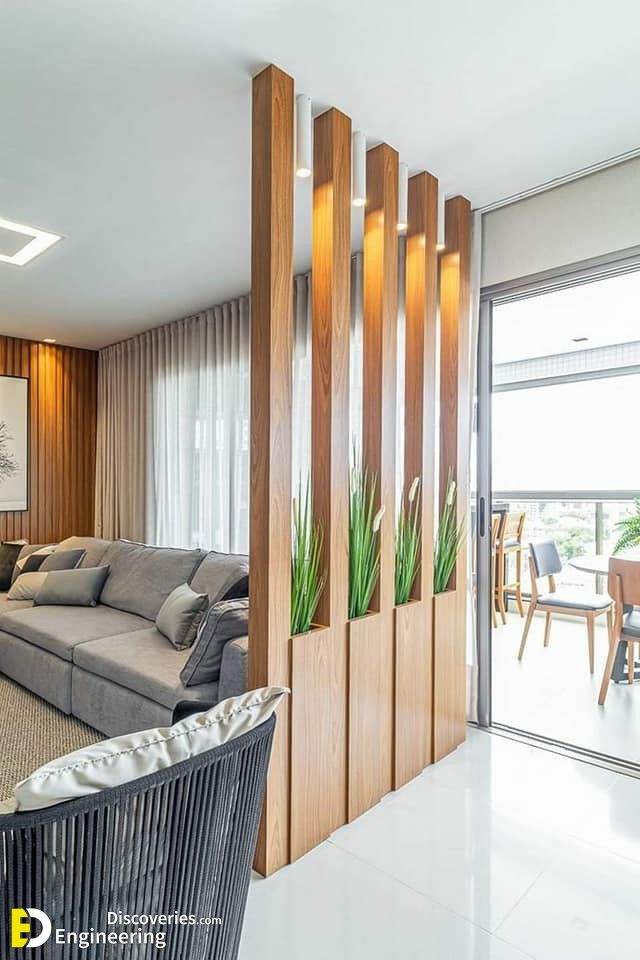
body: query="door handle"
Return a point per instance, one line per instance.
(483, 520)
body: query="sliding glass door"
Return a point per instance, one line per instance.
(558, 390)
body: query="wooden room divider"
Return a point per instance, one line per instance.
(374, 699)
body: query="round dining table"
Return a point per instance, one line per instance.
(591, 563)
(598, 563)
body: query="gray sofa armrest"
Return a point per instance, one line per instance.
(233, 669)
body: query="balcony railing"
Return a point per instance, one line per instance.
(579, 522)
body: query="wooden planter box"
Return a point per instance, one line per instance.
(318, 736)
(449, 676)
(370, 712)
(413, 691)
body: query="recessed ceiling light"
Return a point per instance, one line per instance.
(49, 340)
(579, 339)
(39, 241)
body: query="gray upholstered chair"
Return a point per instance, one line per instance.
(544, 561)
(179, 841)
(624, 587)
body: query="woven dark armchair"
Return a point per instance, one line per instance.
(180, 841)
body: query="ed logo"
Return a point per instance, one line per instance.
(21, 927)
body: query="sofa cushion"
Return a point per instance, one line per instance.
(72, 588)
(62, 560)
(142, 661)
(224, 621)
(180, 615)
(220, 575)
(94, 549)
(26, 585)
(6, 605)
(142, 577)
(36, 550)
(60, 629)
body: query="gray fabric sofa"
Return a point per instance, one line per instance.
(109, 665)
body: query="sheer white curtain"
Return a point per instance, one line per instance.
(173, 433)
(200, 422)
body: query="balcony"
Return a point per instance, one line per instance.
(550, 692)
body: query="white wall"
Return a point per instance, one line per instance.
(589, 217)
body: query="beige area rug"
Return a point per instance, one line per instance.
(32, 732)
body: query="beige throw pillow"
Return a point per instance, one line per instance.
(122, 759)
(27, 585)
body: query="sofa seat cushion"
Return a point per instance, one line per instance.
(60, 629)
(145, 662)
(6, 606)
(142, 577)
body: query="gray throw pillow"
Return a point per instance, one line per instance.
(62, 560)
(31, 556)
(180, 615)
(72, 588)
(224, 621)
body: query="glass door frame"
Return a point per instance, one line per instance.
(577, 274)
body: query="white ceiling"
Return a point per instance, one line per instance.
(125, 126)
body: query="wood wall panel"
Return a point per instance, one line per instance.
(319, 659)
(271, 375)
(62, 440)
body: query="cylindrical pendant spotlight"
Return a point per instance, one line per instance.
(359, 169)
(440, 241)
(403, 197)
(304, 162)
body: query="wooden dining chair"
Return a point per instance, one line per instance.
(497, 524)
(624, 587)
(510, 545)
(544, 561)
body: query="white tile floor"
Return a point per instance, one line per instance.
(500, 852)
(551, 692)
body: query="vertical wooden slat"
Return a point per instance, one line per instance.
(371, 639)
(318, 758)
(62, 437)
(271, 358)
(414, 639)
(421, 306)
(455, 409)
(380, 349)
